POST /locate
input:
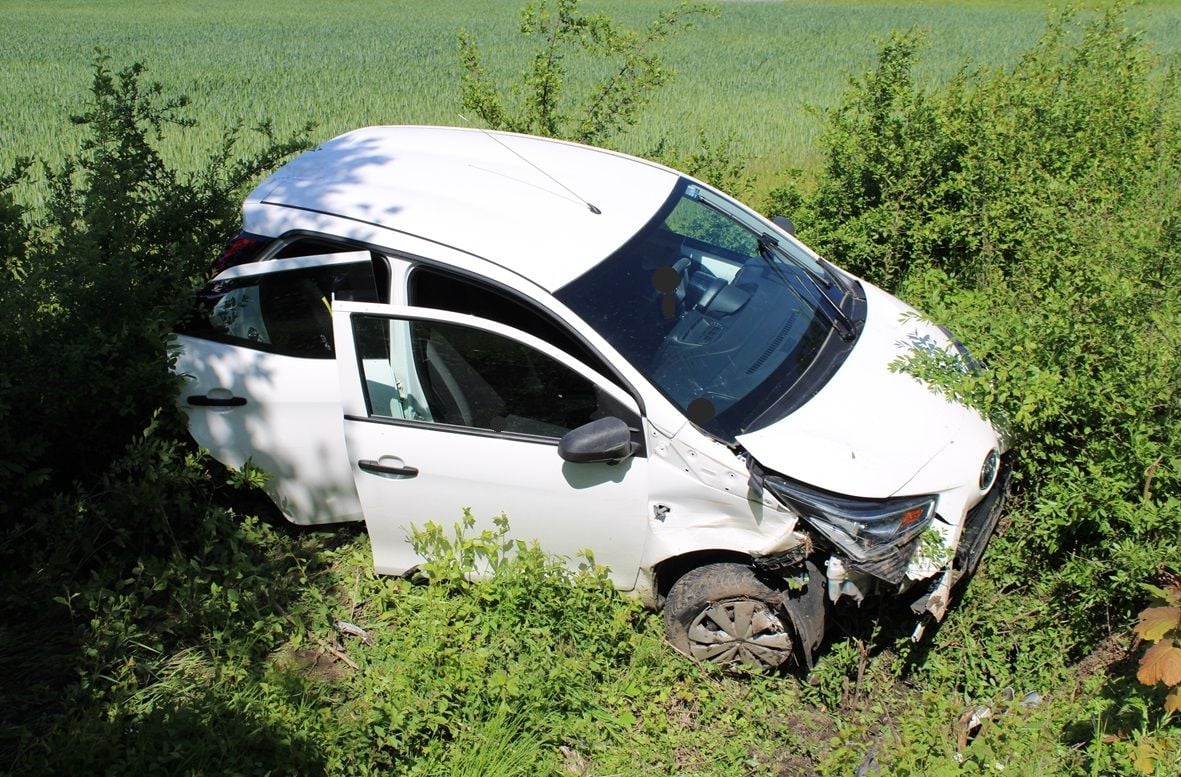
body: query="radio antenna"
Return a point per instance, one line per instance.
(517, 154)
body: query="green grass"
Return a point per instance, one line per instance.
(754, 72)
(537, 671)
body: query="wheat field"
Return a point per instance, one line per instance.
(760, 72)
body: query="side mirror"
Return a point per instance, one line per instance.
(604, 439)
(784, 223)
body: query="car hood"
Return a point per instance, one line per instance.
(869, 431)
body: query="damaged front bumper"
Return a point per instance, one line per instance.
(897, 544)
(979, 525)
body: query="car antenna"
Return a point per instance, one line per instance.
(585, 201)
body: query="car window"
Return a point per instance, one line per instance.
(696, 223)
(452, 374)
(287, 312)
(429, 288)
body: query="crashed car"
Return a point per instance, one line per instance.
(616, 356)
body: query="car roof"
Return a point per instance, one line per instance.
(548, 210)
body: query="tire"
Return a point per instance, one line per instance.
(723, 614)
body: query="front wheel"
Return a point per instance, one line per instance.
(723, 614)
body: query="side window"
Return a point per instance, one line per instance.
(463, 376)
(441, 291)
(712, 230)
(287, 312)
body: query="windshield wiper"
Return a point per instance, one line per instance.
(769, 250)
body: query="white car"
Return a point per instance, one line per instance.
(619, 358)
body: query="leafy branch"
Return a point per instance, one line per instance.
(545, 106)
(1161, 625)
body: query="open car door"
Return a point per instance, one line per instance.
(444, 411)
(261, 383)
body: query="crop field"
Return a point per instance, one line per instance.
(757, 72)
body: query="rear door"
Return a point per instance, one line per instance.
(261, 383)
(445, 411)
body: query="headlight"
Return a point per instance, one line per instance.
(868, 530)
(989, 469)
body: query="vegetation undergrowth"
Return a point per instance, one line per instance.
(1034, 211)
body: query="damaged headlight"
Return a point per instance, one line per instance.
(866, 530)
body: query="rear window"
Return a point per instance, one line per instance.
(286, 312)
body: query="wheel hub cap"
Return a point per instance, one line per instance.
(739, 631)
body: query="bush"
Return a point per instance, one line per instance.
(972, 177)
(541, 102)
(102, 275)
(109, 538)
(1035, 212)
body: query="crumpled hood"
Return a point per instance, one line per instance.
(869, 430)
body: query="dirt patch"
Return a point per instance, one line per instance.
(1108, 654)
(313, 662)
(809, 731)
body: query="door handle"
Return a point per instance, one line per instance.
(369, 465)
(200, 400)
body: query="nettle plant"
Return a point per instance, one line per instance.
(1161, 625)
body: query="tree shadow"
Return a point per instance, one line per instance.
(209, 732)
(83, 638)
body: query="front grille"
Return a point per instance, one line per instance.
(891, 568)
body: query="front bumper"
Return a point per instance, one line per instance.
(979, 524)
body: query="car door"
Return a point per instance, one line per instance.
(445, 411)
(261, 383)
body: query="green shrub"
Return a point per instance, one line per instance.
(95, 281)
(110, 546)
(1034, 212)
(970, 177)
(106, 271)
(541, 100)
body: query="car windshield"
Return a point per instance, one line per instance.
(708, 305)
